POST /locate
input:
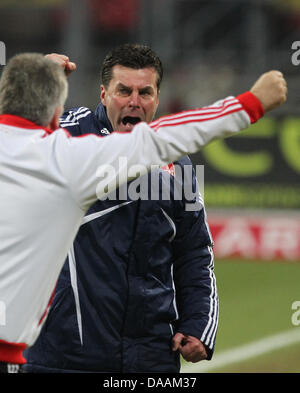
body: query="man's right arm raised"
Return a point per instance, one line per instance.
(96, 165)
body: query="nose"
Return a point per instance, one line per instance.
(134, 100)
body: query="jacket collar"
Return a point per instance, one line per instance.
(21, 122)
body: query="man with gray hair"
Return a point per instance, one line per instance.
(48, 180)
(34, 90)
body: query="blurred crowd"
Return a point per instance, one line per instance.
(208, 47)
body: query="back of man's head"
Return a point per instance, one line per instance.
(134, 56)
(32, 87)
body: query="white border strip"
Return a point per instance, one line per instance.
(171, 222)
(101, 213)
(245, 352)
(73, 275)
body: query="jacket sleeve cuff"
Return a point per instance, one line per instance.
(252, 106)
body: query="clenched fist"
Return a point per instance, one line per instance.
(191, 349)
(270, 89)
(63, 61)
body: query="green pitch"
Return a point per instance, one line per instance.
(256, 300)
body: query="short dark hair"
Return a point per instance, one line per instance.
(134, 56)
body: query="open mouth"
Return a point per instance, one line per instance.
(131, 120)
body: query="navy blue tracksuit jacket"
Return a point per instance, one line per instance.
(138, 271)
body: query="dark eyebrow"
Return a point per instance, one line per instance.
(146, 89)
(121, 86)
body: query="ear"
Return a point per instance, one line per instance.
(54, 123)
(158, 97)
(157, 101)
(103, 95)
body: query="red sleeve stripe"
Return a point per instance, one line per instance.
(195, 119)
(198, 112)
(212, 110)
(208, 109)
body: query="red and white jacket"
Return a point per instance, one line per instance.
(48, 181)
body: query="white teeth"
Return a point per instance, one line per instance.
(129, 125)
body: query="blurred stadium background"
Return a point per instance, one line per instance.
(210, 49)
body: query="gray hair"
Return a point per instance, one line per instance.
(32, 87)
